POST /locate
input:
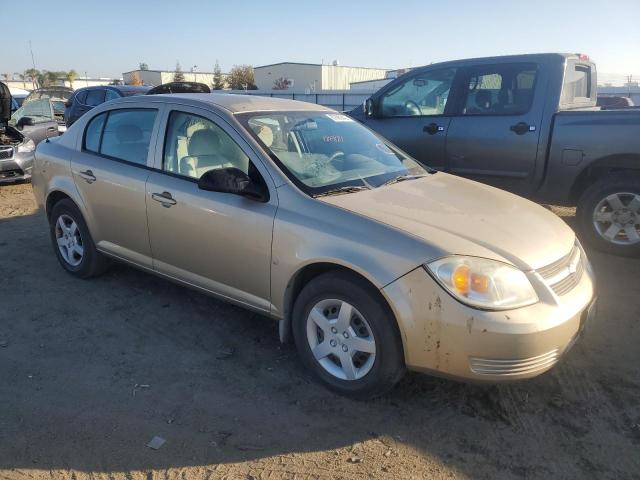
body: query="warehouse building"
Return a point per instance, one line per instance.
(158, 77)
(312, 77)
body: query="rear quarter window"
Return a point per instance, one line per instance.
(93, 133)
(578, 88)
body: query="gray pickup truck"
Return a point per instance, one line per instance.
(528, 124)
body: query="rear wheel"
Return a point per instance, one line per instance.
(347, 336)
(609, 214)
(72, 241)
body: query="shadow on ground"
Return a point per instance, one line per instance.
(92, 370)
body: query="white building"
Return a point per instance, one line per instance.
(313, 77)
(158, 77)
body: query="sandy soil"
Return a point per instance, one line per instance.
(91, 371)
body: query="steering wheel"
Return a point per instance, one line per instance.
(412, 107)
(335, 155)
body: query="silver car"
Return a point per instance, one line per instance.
(371, 262)
(16, 147)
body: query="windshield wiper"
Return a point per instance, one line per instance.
(402, 178)
(342, 190)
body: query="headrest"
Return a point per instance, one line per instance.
(483, 99)
(266, 135)
(204, 142)
(128, 133)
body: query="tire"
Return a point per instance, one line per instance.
(594, 203)
(91, 263)
(372, 319)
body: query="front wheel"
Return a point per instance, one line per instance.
(347, 336)
(609, 214)
(72, 241)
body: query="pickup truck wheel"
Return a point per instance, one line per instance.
(609, 214)
(347, 336)
(72, 241)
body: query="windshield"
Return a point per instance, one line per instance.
(321, 151)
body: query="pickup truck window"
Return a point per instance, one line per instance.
(577, 83)
(424, 94)
(505, 89)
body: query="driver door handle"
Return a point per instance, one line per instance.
(522, 127)
(88, 176)
(164, 198)
(433, 128)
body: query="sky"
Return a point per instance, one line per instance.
(105, 39)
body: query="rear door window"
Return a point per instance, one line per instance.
(111, 95)
(121, 134)
(95, 97)
(504, 89)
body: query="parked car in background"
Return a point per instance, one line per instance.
(372, 262)
(84, 99)
(612, 102)
(16, 150)
(180, 87)
(38, 119)
(60, 92)
(527, 124)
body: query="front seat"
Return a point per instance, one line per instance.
(204, 154)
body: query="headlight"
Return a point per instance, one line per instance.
(26, 147)
(483, 283)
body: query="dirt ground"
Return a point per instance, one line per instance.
(90, 371)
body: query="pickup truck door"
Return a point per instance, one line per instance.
(493, 138)
(412, 112)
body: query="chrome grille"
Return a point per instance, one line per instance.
(519, 366)
(6, 152)
(564, 274)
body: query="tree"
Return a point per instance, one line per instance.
(143, 66)
(135, 79)
(71, 77)
(32, 75)
(281, 83)
(218, 81)
(241, 78)
(178, 76)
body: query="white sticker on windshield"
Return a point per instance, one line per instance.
(338, 117)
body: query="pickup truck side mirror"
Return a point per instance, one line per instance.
(369, 107)
(234, 181)
(26, 122)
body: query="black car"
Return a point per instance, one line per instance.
(84, 99)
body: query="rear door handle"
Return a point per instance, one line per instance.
(88, 176)
(433, 128)
(164, 198)
(522, 127)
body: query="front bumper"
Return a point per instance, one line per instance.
(18, 167)
(442, 336)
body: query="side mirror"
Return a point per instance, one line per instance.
(369, 107)
(26, 122)
(234, 181)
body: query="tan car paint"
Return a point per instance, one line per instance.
(250, 254)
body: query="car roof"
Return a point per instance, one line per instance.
(121, 88)
(237, 103)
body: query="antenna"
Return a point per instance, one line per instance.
(33, 62)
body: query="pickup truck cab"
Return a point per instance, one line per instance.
(528, 124)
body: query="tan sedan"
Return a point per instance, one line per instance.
(370, 261)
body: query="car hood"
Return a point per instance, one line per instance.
(442, 210)
(5, 104)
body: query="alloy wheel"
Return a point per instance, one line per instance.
(617, 218)
(341, 339)
(69, 240)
